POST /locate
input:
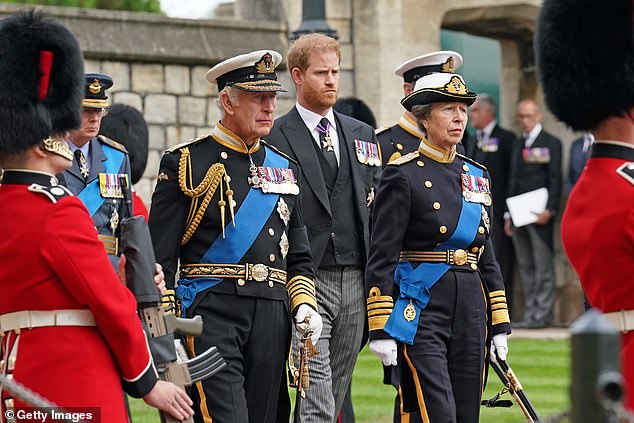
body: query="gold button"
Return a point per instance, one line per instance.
(465, 167)
(428, 184)
(399, 146)
(474, 266)
(481, 230)
(474, 249)
(420, 163)
(436, 205)
(272, 257)
(271, 284)
(443, 229)
(223, 155)
(241, 282)
(271, 231)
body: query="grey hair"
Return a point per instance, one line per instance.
(233, 97)
(488, 100)
(422, 111)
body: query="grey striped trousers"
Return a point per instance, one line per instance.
(341, 301)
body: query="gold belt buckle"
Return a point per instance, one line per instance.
(460, 257)
(259, 272)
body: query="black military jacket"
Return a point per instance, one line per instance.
(174, 214)
(417, 207)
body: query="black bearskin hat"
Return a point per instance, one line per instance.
(126, 125)
(41, 80)
(585, 59)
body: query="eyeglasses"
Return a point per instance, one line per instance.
(102, 111)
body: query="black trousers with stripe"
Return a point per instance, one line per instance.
(253, 336)
(442, 374)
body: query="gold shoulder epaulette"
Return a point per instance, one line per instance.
(278, 151)
(112, 143)
(626, 170)
(186, 143)
(404, 159)
(473, 162)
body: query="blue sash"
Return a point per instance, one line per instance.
(91, 196)
(415, 284)
(250, 218)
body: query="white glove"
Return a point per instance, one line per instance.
(499, 347)
(385, 350)
(316, 323)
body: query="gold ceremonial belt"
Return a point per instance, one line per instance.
(243, 272)
(453, 257)
(111, 243)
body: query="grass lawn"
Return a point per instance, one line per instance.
(543, 367)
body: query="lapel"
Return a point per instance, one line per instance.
(298, 135)
(350, 134)
(97, 157)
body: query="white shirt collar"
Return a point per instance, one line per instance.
(85, 149)
(486, 131)
(532, 135)
(311, 119)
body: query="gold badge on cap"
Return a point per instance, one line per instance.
(265, 64)
(95, 87)
(456, 86)
(449, 65)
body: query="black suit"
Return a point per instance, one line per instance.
(496, 154)
(535, 167)
(290, 135)
(337, 221)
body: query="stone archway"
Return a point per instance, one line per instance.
(513, 25)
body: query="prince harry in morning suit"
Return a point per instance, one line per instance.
(340, 164)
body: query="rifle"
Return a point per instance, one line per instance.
(513, 386)
(299, 376)
(160, 323)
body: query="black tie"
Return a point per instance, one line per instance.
(330, 174)
(82, 163)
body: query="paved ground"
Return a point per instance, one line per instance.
(546, 333)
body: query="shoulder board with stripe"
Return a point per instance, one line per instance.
(382, 129)
(187, 143)
(112, 143)
(626, 170)
(278, 151)
(54, 193)
(470, 160)
(404, 159)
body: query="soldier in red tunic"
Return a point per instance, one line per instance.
(68, 328)
(586, 62)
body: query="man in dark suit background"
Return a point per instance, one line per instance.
(340, 166)
(493, 147)
(536, 164)
(579, 153)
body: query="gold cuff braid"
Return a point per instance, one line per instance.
(499, 308)
(379, 309)
(301, 290)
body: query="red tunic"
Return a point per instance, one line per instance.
(598, 235)
(51, 259)
(139, 206)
